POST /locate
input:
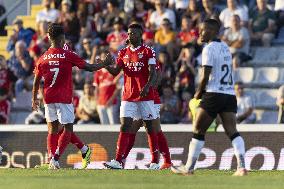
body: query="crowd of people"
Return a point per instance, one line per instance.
(94, 28)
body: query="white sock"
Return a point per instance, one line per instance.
(84, 149)
(239, 149)
(194, 150)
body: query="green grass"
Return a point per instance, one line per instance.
(135, 179)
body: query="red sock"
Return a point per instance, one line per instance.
(63, 142)
(122, 144)
(163, 147)
(154, 147)
(52, 140)
(130, 144)
(76, 141)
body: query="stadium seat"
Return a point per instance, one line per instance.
(23, 101)
(267, 56)
(281, 78)
(267, 75)
(266, 117)
(265, 97)
(244, 74)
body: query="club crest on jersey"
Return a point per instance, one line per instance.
(126, 56)
(140, 55)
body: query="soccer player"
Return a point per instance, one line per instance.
(138, 122)
(138, 64)
(218, 98)
(55, 67)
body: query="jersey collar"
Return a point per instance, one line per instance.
(134, 49)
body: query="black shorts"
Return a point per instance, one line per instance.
(214, 103)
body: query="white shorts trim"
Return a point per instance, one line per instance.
(142, 109)
(64, 113)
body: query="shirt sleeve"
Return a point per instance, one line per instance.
(207, 57)
(75, 60)
(37, 70)
(96, 79)
(151, 56)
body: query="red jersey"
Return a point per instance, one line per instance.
(55, 66)
(5, 108)
(188, 37)
(135, 64)
(115, 40)
(4, 79)
(104, 81)
(157, 99)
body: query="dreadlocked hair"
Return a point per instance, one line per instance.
(55, 30)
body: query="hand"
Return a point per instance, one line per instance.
(35, 104)
(109, 60)
(145, 91)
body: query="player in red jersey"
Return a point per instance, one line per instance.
(55, 67)
(138, 122)
(138, 64)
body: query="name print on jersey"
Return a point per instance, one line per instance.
(51, 56)
(134, 66)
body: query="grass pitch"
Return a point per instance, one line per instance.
(136, 179)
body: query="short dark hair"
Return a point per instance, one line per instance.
(136, 26)
(55, 30)
(215, 24)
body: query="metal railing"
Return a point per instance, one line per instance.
(14, 6)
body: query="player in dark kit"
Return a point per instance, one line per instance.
(55, 67)
(137, 61)
(216, 91)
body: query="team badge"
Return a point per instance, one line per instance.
(140, 55)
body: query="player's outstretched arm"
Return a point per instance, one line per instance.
(99, 64)
(206, 70)
(114, 69)
(35, 101)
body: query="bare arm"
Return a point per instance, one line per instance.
(206, 70)
(99, 65)
(114, 69)
(35, 101)
(151, 80)
(245, 115)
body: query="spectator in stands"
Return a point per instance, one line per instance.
(5, 77)
(279, 8)
(3, 23)
(185, 75)
(210, 11)
(48, 14)
(160, 14)
(5, 107)
(194, 12)
(70, 22)
(179, 6)
(40, 38)
(168, 69)
(35, 53)
(280, 104)
(245, 106)
(20, 64)
(262, 24)
(165, 38)
(185, 113)
(188, 34)
(170, 107)
(87, 51)
(233, 8)
(110, 14)
(106, 91)
(118, 37)
(20, 33)
(87, 109)
(139, 10)
(238, 39)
